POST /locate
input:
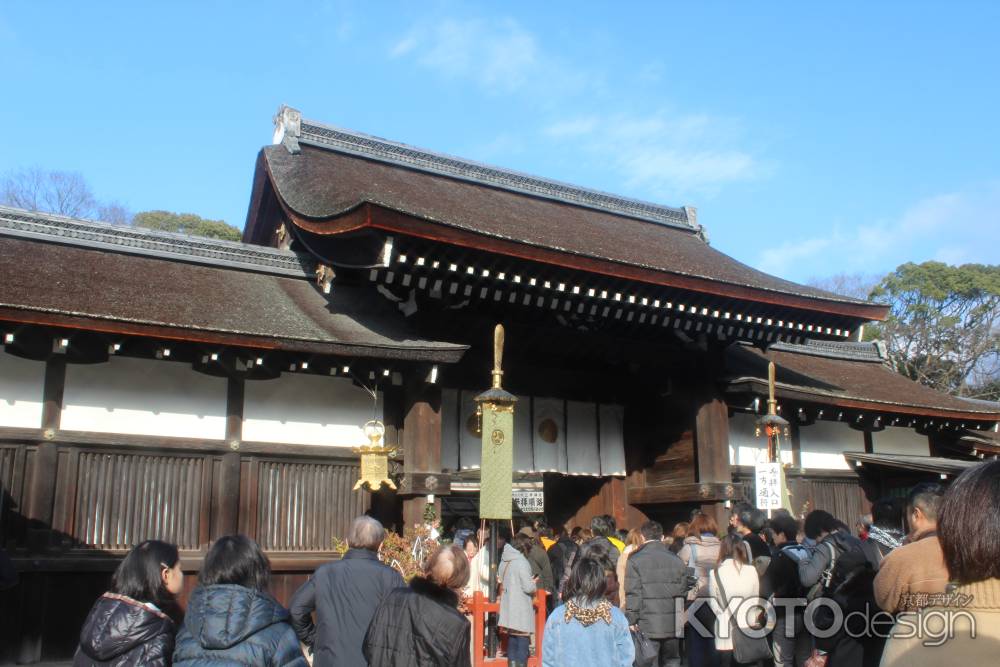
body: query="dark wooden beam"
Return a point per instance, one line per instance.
(701, 492)
(152, 443)
(869, 442)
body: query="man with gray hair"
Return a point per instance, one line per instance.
(344, 595)
(910, 572)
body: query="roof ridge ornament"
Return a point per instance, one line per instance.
(288, 128)
(692, 217)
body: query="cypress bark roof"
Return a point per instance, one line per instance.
(327, 173)
(852, 375)
(76, 273)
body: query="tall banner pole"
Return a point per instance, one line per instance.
(496, 479)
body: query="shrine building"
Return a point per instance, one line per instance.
(160, 385)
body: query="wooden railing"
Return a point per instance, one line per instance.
(480, 607)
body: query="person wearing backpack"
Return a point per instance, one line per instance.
(790, 643)
(838, 569)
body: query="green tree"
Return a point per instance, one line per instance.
(187, 223)
(943, 329)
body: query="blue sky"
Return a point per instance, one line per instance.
(814, 138)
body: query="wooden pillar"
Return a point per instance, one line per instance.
(712, 445)
(421, 448)
(39, 505)
(229, 482)
(796, 438)
(869, 442)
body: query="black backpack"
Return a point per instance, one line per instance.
(851, 561)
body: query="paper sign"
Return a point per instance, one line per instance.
(529, 502)
(768, 478)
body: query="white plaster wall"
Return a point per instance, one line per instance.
(900, 440)
(824, 443)
(307, 410)
(144, 397)
(745, 449)
(21, 383)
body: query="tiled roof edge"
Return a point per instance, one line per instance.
(53, 228)
(291, 129)
(847, 350)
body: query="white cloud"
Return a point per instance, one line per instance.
(501, 56)
(669, 156)
(957, 227)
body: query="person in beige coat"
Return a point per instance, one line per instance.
(701, 552)
(915, 570)
(740, 581)
(969, 531)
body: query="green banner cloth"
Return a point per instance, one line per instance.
(496, 474)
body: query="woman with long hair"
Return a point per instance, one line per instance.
(587, 630)
(131, 623)
(231, 618)
(701, 553)
(734, 579)
(633, 540)
(420, 625)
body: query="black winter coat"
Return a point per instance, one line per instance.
(228, 624)
(418, 626)
(120, 632)
(655, 578)
(560, 554)
(344, 594)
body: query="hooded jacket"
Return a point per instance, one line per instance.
(228, 624)
(120, 632)
(418, 626)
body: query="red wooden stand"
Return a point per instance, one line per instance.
(480, 607)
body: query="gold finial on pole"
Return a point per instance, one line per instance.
(772, 404)
(497, 355)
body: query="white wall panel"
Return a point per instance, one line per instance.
(21, 384)
(824, 444)
(144, 397)
(900, 440)
(307, 410)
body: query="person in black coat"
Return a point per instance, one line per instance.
(344, 595)
(655, 579)
(130, 624)
(231, 618)
(420, 626)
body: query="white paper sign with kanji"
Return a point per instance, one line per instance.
(768, 477)
(529, 502)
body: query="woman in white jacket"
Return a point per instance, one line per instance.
(739, 578)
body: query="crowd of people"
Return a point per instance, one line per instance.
(763, 590)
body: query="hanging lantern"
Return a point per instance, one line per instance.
(374, 458)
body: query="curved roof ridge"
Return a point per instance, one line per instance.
(292, 129)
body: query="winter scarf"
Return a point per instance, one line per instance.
(890, 538)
